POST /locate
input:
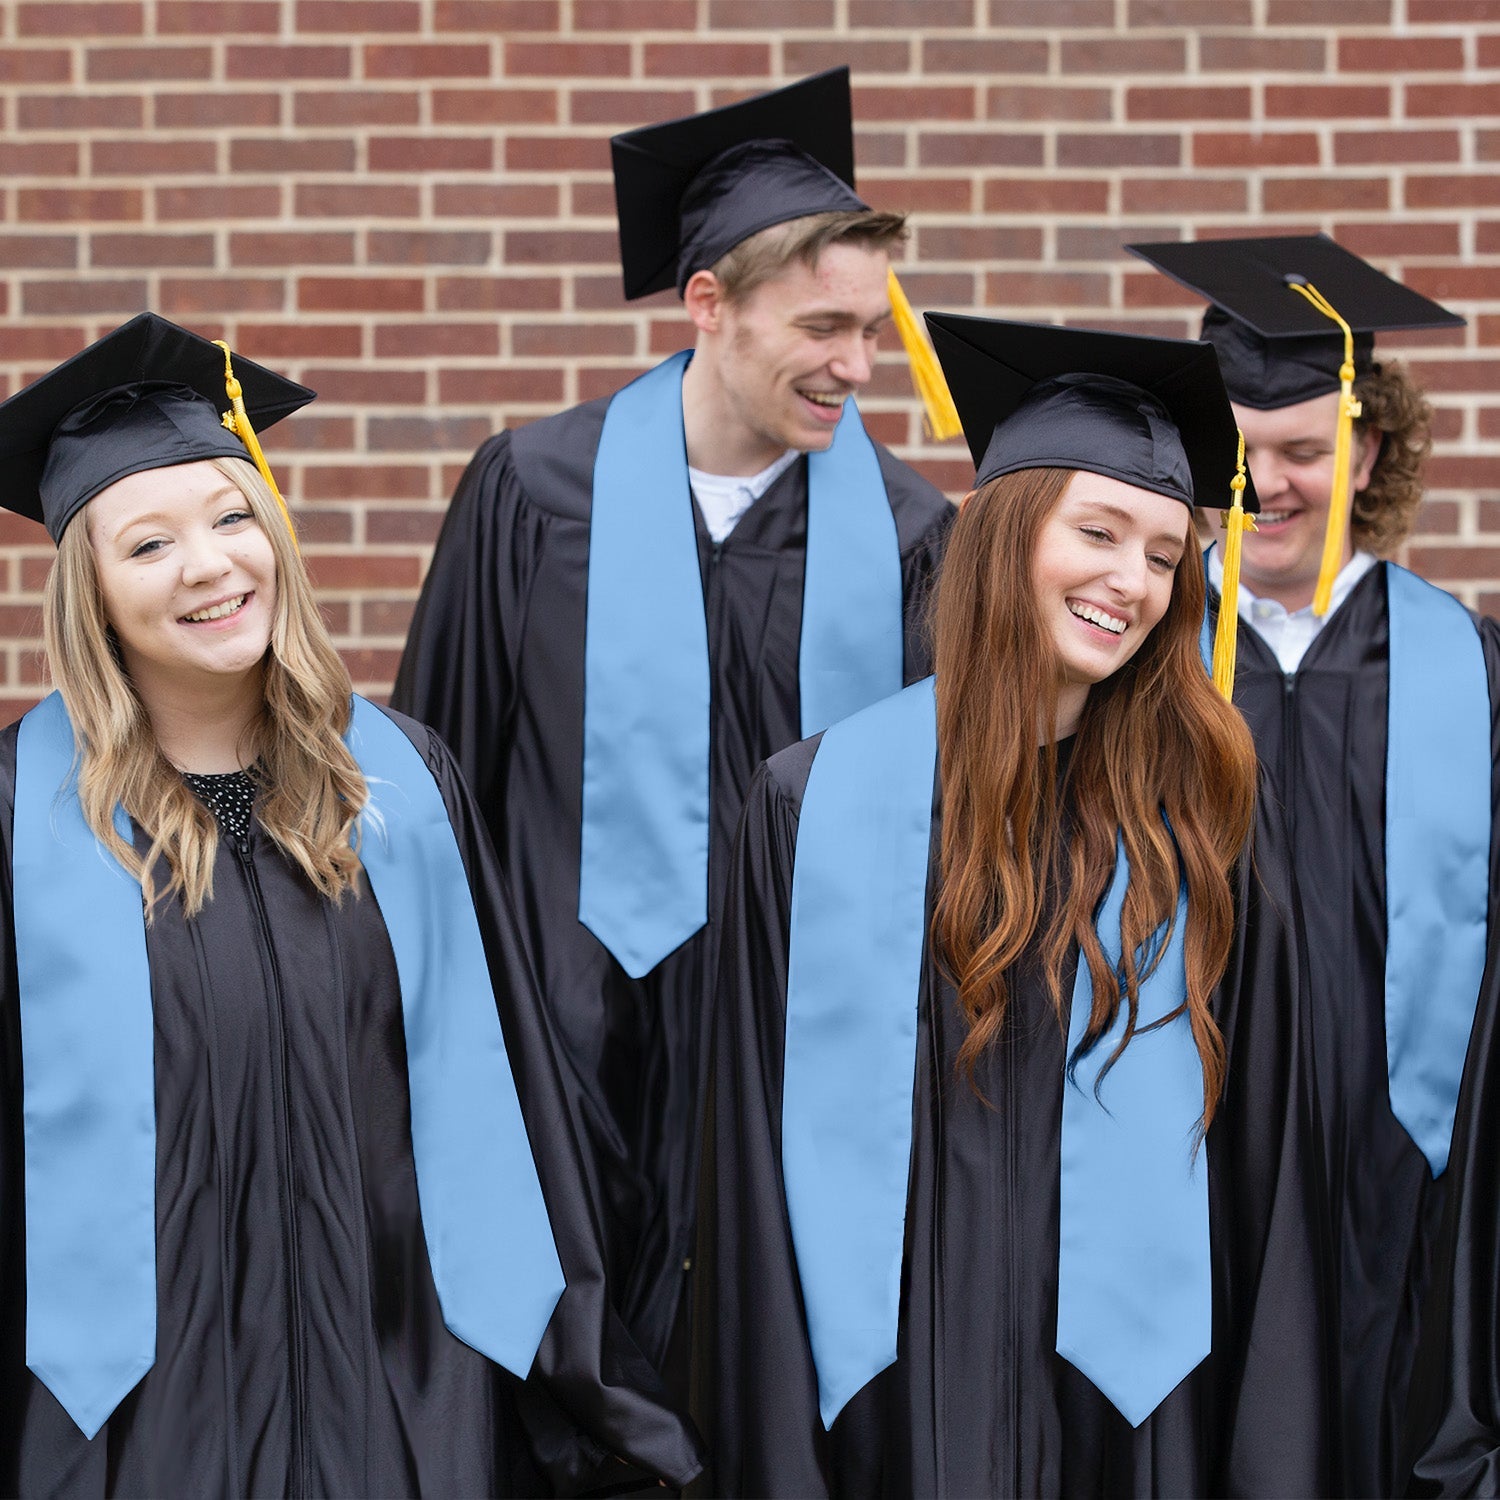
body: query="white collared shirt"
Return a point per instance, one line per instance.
(1290, 632)
(724, 498)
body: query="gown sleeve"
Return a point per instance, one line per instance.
(754, 1386)
(1453, 1427)
(595, 1410)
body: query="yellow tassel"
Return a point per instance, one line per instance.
(1226, 637)
(237, 420)
(1338, 496)
(926, 372)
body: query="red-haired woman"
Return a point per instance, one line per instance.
(990, 1208)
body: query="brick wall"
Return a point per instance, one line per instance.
(406, 204)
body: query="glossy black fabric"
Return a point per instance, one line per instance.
(1321, 733)
(300, 1346)
(978, 1402)
(495, 663)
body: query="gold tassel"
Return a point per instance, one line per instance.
(1338, 497)
(1226, 638)
(926, 372)
(237, 420)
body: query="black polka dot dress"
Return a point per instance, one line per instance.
(229, 796)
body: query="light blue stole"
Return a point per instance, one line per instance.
(89, 1077)
(1134, 1276)
(643, 877)
(1438, 811)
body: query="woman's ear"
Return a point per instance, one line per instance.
(967, 498)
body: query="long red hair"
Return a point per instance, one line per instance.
(1155, 737)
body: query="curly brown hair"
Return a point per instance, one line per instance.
(1385, 511)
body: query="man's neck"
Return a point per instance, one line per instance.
(718, 442)
(1290, 594)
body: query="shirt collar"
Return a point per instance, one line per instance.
(1349, 575)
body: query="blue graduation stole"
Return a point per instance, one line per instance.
(89, 1077)
(1134, 1276)
(643, 877)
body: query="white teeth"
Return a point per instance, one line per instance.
(217, 611)
(1273, 517)
(1096, 616)
(833, 402)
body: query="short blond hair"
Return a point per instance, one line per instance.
(766, 254)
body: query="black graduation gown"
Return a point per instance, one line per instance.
(300, 1346)
(1321, 734)
(978, 1402)
(495, 663)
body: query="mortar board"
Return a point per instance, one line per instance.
(1275, 347)
(1150, 412)
(147, 396)
(690, 190)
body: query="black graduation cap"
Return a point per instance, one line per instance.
(1151, 412)
(687, 192)
(1275, 347)
(147, 396)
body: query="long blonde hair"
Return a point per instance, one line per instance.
(310, 790)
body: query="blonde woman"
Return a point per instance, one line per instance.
(285, 1173)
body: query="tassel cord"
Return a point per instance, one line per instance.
(1226, 637)
(237, 420)
(926, 372)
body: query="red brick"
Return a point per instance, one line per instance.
(1046, 195)
(31, 252)
(494, 106)
(215, 201)
(386, 617)
(874, 148)
(263, 341)
(1027, 102)
(152, 158)
(862, 57)
(965, 242)
(627, 107)
(365, 482)
(1042, 289)
(1124, 56)
(417, 340)
(367, 386)
(1436, 517)
(1329, 13)
(1312, 194)
(596, 200)
(74, 298)
(928, 289)
(1149, 289)
(1456, 374)
(1411, 237)
(1401, 54)
(1234, 53)
(1119, 149)
(987, 55)
(995, 148)
(283, 247)
(1456, 564)
(489, 386)
(893, 103)
(288, 61)
(314, 433)
(432, 247)
(50, 344)
(766, 15)
(1445, 282)
(359, 294)
(1452, 100)
(500, 16)
(357, 200)
(374, 15)
(218, 17)
(1253, 149)
(557, 153)
(424, 435)
(431, 153)
(325, 527)
(354, 570)
(1451, 471)
(144, 64)
(1094, 14)
(1187, 104)
(1489, 53)
(567, 59)
(498, 293)
(1430, 12)
(219, 108)
(551, 247)
(911, 194)
(1458, 191)
(281, 154)
(877, 14)
(388, 527)
(427, 60)
(149, 251)
(183, 297)
(80, 112)
(1392, 147)
(85, 18)
(1193, 13)
(561, 340)
(706, 59)
(495, 200)
(38, 159)
(20, 620)
(1317, 101)
(357, 107)
(34, 65)
(77, 205)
